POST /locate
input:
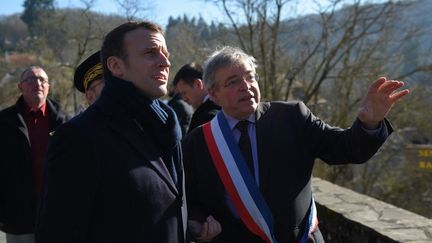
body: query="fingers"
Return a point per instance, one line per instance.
(389, 86)
(203, 235)
(397, 95)
(209, 229)
(214, 227)
(377, 83)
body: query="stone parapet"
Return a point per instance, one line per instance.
(347, 216)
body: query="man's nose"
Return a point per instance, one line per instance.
(245, 83)
(164, 61)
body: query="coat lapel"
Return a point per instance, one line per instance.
(22, 126)
(262, 125)
(134, 135)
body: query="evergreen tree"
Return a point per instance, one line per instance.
(34, 11)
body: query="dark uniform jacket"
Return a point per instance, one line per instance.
(106, 183)
(289, 138)
(183, 111)
(17, 187)
(204, 113)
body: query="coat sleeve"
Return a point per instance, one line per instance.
(335, 145)
(195, 210)
(70, 180)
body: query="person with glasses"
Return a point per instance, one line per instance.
(88, 77)
(25, 129)
(250, 167)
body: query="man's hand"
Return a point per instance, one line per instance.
(205, 231)
(378, 101)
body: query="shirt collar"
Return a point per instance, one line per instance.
(232, 122)
(205, 98)
(41, 109)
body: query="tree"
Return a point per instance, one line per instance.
(13, 33)
(256, 24)
(33, 11)
(133, 9)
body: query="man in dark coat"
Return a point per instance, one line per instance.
(189, 84)
(251, 166)
(182, 109)
(114, 173)
(25, 129)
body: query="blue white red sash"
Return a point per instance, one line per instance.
(240, 185)
(237, 179)
(312, 224)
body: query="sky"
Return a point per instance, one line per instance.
(160, 12)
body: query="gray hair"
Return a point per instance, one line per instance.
(224, 57)
(28, 70)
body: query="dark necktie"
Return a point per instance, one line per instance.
(245, 144)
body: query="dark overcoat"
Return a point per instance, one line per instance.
(104, 183)
(204, 113)
(289, 139)
(18, 197)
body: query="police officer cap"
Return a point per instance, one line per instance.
(88, 71)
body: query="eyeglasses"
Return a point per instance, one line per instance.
(236, 81)
(35, 78)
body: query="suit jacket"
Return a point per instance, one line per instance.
(104, 183)
(183, 111)
(289, 138)
(204, 113)
(17, 187)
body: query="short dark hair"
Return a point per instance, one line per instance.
(113, 44)
(188, 73)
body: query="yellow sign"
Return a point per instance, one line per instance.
(425, 153)
(421, 154)
(425, 165)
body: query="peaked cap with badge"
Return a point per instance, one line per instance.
(88, 71)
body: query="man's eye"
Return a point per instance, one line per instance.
(230, 83)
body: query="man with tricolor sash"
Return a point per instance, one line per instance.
(250, 167)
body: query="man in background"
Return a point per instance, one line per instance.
(188, 82)
(88, 78)
(182, 109)
(25, 130)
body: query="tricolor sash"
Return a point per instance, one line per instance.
(240, 185)
(237, 178)
(312, 223)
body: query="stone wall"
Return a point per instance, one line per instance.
(346, 216)
(349, 217)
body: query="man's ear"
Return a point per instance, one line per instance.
(116, 66)
(90, 96)
(212, 94)
(199, 83)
